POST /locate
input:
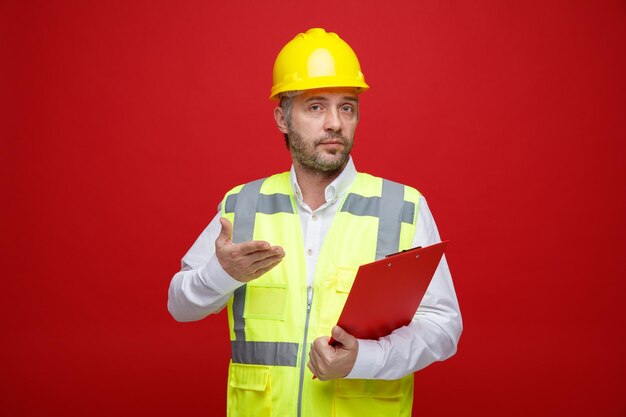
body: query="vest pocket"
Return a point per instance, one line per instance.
(367, 397)
(345, 279)
(265, 301)
(335, 293)
(249, 391)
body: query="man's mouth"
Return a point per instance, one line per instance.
(333, 141)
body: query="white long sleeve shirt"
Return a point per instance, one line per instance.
(202, 287)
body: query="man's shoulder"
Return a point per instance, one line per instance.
(372, 177)
(365, 177)
(279, 179)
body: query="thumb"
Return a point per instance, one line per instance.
(343, 337)
(227, 230)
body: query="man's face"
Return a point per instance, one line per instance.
(321, 131)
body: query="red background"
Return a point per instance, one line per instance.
(124, 123)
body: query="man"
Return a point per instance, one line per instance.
(282, 254)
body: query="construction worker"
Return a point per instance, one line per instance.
(283, 251)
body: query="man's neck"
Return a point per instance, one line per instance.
(313, 184)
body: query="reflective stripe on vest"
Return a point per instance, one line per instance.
(265, 353)
(390, 208)
(251, 201)
(243, 228)
(266, 204)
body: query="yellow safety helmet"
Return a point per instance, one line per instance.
(316, 59)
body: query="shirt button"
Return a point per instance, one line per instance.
(309, 252)
(314, 217)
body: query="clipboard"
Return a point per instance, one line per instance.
(386, 293)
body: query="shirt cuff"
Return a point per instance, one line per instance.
(215, 277)
(368, 360)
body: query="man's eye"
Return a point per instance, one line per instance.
(347, 109)
(315, 107)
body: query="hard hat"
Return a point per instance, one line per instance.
(316, 59)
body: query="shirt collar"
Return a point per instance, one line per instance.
(335, 190)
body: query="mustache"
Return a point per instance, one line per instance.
(333, 137)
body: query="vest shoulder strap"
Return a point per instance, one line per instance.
(395, 206)
(266, 195)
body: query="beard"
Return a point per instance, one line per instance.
(314, 160)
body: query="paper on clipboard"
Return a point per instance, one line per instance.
(386, 293)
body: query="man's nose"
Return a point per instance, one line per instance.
(332, 122)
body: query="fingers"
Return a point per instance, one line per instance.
(258, 254)
(313, 369)
(343, 337)
(265, 257)
(257, 260)
(317, 359)
(227, 230)
(314, 362)
(252, 246)
(321, 343)
(319, 356)
(247, 267)
(267, 268)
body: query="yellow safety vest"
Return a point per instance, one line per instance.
(272, 324)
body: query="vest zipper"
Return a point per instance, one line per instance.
(304, 347)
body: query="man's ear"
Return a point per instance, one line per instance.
(281, 122)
